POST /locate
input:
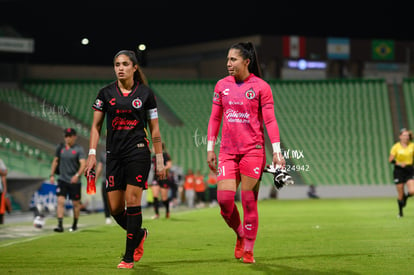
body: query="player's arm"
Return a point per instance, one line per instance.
(269, 118)
(212, 133)
(82, 165)
(156, 142)
(53, 169)
(98, 119)
(391, 159)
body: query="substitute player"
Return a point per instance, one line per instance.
(244, 102)
(130, 106)
(402, 155)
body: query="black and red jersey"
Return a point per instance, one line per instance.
(126, 117)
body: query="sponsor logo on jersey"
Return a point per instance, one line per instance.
(235, 116)
(250, 93)
(120, 123)
(112, 101)
(226, 91)
(137, 103)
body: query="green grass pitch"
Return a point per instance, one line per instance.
(326, 236)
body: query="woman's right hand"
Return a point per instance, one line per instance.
(212, 161)
(90, 164)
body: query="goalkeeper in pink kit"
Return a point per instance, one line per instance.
(245, 104)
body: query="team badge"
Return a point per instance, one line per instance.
(250, 94)
(98, 104)
(216, 97)
(137, 103)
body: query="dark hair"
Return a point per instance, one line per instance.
(248, 51)
(138, 75)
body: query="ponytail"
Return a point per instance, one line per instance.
(139, 76)
(248, 51)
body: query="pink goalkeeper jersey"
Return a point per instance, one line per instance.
(241, 106)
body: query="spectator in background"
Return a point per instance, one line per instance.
(200, 189)
(101, 171)
(70, 160)
(212, 188)
(3, 190)
(402, 155)
(312, 192)
(189, 192)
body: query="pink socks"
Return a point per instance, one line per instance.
(229, 210)
(251, 218)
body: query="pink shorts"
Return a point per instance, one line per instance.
(231, 166)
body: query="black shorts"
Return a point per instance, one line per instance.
(402, 175)
(165, 183)
(73, 190)
(133, 170)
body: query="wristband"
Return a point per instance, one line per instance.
(210, 145)
(276, 147)
(92, 152)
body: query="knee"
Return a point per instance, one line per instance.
(225, 200)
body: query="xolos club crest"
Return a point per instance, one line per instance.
(137, 103)
(250, 93)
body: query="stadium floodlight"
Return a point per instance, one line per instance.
(85, 41)
(142, 47)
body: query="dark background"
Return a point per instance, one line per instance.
(58, 27)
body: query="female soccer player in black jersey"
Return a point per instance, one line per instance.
(130, 106)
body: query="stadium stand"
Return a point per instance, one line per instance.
(342, 127)
(333, 131)
(408, 88)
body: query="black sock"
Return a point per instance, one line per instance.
(121, 219)
(75, 223)
(400, 207)
(167, 205)
(156, 206)
(60, 222)
(134, 222)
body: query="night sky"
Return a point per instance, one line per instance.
(58, 27)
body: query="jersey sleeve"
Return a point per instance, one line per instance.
(81, 153)
(58, 149)
(216, 115)
(268, 112)
(151, 106)
(394, 150)
(99, 104)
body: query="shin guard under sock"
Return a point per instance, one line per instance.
(251, 219)
(229, 211)
(121, 219)
(134, 222)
